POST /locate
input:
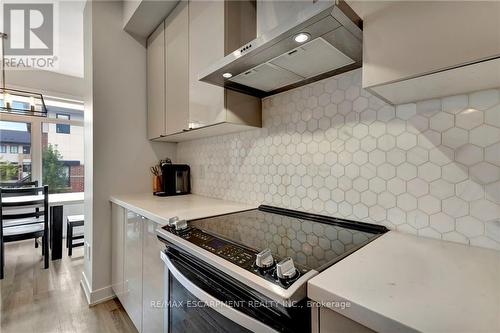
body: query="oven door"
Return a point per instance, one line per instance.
(198, 303)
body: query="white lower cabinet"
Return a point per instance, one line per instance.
(137, 270)
(152, 279)
(325, 320)
(132, 269)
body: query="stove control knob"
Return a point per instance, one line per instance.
(180, 225)
(172, 220)
(264, 259)
(285, 269)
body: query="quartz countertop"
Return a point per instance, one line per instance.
(404, 283)
(189, 207)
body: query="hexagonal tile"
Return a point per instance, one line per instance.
(492, 154)
(429, 171)
(396, 156)
(377, 128)
(368, 116)
(418, 187)
(429, 108)
(360, 211)
(441, 122)
(455, 137)
(417, 155)
(493, 192)
(386, 200)
(407, 171)
(396, 186)
(469, 154)
(469, 190)
(469, 226)
(484, 135)
(396, 127)
(455, 104)
(376, 157)
(407, 202)
(406, 141)
(492, 116)
(454, 173)
(484, 210)
(455, 207)
(469, 118)
(360, 104)
(386, 142)
(360, 131)
(406, 111)
(386, 171)
(377, 185)
(485, 172)
(417, 219)
(442, 222)
(485, 99)
(429, 204)
(386, 113)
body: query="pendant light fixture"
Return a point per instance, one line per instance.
(14, 101)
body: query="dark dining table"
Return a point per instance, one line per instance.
(57, 201)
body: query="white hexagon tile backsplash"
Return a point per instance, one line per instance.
(430, 168)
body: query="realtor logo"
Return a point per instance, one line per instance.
(30, 29)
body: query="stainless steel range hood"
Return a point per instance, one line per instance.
(275, 61)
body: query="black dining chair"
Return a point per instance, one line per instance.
(24, 217)
(21, 184)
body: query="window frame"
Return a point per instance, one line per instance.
(63, 128)
(3, 149)
(13, 149)
(36, 136)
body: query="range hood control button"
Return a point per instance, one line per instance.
(285, 269)
(264, 259)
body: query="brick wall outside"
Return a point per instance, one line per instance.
(76, 176)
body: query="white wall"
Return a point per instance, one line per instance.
(117, 153)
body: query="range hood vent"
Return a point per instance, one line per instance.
(275, 61)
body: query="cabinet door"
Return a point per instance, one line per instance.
(333, 322)
(156, 82)
(206, 46)
(177, 63)
(117, 249)
(152, 280)
(132, 294)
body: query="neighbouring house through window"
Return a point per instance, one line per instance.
(26, 150)
(3, 149)
(14, 149)
(63, 128)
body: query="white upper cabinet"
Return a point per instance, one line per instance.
(177, 68)
(206, 46)
(156, 83)
(197, 34)
(421, 50)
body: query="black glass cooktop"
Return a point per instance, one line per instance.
(312, 241)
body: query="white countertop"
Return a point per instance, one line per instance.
(191, 206)
(404, 283)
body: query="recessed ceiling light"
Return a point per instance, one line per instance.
(227, 75)
(302, 37)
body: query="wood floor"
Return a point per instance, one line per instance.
(39, 300)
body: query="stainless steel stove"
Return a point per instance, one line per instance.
(269, 252)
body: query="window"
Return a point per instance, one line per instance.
(13, 167)
(62, 148)
(58, 143)
(63, 128)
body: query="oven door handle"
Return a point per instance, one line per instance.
(212, 302)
